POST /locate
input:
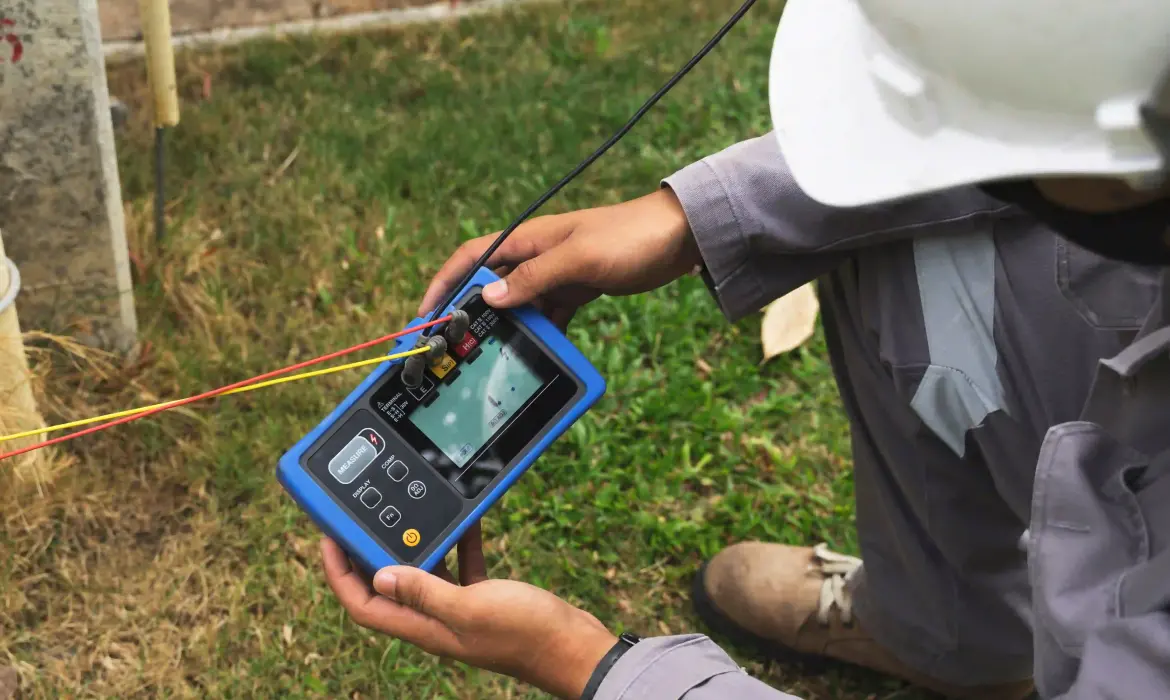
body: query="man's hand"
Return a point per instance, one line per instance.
(564, 261)
(503, 626)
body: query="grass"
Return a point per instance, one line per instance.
(314, 192)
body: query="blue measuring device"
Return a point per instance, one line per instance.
(419, 451)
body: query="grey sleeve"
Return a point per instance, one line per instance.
(1128, 658)
(683, 667)
(761, 237)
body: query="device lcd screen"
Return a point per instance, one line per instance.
(480, 405)
(479, 402)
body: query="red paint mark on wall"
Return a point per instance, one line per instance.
(13, 40)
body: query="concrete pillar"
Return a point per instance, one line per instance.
(18, 406)
(60, 197)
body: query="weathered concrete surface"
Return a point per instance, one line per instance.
(119, 18)
(60, 197)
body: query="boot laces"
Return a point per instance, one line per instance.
(839, 571)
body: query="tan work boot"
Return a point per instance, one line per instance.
(795, 604)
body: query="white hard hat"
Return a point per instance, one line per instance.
(876, 100)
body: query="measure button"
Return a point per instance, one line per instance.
(411, 537)
(373, 438)
(371, 497)
(353, 459)
(397, 471)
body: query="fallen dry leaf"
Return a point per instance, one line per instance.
(789, 321)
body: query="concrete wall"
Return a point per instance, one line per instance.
(119, 18)
(60, 197)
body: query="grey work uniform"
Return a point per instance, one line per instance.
(960, 331)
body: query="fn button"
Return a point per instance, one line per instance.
(390, 516)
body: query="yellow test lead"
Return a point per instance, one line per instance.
(238, 390)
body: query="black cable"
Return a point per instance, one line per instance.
(159, 201)
(588, 161)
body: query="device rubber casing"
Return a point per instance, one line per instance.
(333, 520)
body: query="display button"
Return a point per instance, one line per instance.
(410, 538)
(390, 516)
(417, 489)
(353, 459)
(371, 497)
(397, 471)
(465, 346)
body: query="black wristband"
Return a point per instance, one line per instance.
(624, 642)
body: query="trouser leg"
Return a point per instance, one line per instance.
(944, 585)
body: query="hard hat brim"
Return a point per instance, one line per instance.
(845, 148)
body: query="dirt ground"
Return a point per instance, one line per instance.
(120, 17)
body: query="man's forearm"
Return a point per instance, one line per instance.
(736, 202)
(761, 236)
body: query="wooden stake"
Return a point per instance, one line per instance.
(18, 406)
(160, 61)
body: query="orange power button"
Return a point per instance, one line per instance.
(411, 537)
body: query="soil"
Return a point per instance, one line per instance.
(119, 18)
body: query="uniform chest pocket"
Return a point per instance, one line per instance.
(1109, 295)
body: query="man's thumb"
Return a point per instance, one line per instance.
(496, 293)
(418, 590)
(534, 277)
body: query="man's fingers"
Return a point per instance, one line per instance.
(453, 271)
(419, 591)
(333, 558)
(559, 266)
(472, 568)
(375, 612)
(529, 240)
(443, 572)
(355, 595)
(561, 316)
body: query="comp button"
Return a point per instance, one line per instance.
(352, 460)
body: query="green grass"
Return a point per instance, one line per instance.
(313, 195)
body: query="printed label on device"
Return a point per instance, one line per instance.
(465, 346)
(445, 364)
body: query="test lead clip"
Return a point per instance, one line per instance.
(415, 365)
(457, 327)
